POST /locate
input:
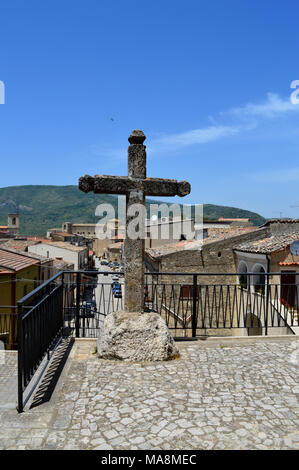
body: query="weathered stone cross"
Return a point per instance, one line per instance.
(135, 187)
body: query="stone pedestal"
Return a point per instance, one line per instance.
(136, 337)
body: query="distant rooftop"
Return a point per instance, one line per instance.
(115, 246)
(10, 261)
(270, 244)
(65, 245)
(222, 219)
(197, 244)
(18, 245)
(280, 221)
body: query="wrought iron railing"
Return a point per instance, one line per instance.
(192, 304)
(196, 306)
(40, 325)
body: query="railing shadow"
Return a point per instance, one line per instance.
(49, 382)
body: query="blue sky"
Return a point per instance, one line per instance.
(207, 81)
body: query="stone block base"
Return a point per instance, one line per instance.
(136, 337)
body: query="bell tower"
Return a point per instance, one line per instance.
(13, 223)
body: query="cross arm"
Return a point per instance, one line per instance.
(102, 184)
(166, 187)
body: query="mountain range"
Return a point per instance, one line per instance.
(43, 207)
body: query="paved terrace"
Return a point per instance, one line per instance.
(221, 394)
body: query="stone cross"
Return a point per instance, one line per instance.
(135, 187)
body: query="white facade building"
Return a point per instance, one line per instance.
(76, 255)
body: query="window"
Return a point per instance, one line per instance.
(259, 279)
(243, 278)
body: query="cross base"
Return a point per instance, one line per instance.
(136, 337)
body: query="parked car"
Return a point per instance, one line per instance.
(89, 308)
(115, 277)
(104, 262)
(117, 294)
(116, 286)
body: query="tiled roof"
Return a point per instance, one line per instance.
(222, 219)
(197, 244)
(173, 248)
(18, 245)
(114, 246)
(269, 245)
(64, 234)
(64, 245)
(15, 261)
(288, 263)
(61, 264)
(280, 221)
(41, 258)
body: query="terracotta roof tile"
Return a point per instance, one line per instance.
(14, 261)
(270, 244)
(197, 244)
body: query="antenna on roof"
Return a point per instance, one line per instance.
(278, 212)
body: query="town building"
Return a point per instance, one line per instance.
(212, 227)
(166, 230)
(19, 275)
(12, 228)
(276, 253)
(78, 256)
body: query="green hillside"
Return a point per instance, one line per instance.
(43, 207)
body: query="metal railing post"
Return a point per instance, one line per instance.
(194, 307)
(20, 406)
(267, 305)
(78, 284)
(63, 299)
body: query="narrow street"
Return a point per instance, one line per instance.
(105, 300)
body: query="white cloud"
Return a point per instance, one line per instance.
(193, 137)
(273, 107)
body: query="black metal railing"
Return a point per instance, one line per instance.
(199, 304)
(40, 324)
(96, 295)
(192, 304)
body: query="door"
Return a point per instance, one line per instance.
(288, 287)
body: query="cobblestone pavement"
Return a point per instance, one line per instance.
(8, 379)
(221, 394)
